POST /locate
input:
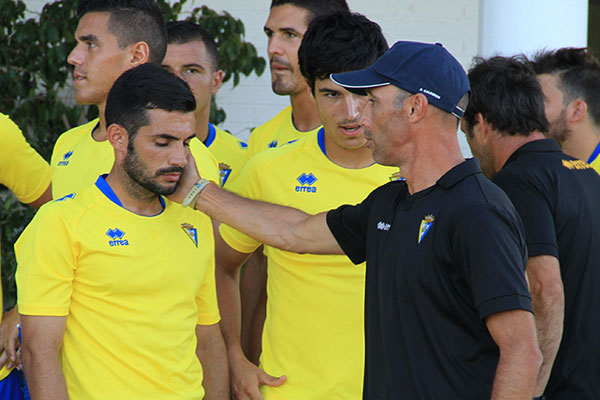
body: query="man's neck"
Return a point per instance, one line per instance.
(304, 111)
(202, 119)
(506, 145)
(348, 158)
(133, 197)
(429, 157)
(99, 133)
(582, 142)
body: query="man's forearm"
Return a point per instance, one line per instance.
(548, 305)
(210, 350)
(278, 226)
(516, 375)
(44, 375)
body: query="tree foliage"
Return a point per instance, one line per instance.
(37, 87)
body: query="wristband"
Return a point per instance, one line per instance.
(192, 196)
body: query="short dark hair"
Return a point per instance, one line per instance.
(508, 95)
(181, 32)
(339, 42)
(315, 8)
(132, 21)
(142, 88)
(578, 73)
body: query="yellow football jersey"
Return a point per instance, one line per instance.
(133, 289)
(230, 152)
(275, 132)
(22, 170)
(78, 160)
(313, 331)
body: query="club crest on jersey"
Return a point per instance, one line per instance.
(306, 183)
(425, 226)
(191, 232)
(65, 160)
(117, 237)
(224, 171)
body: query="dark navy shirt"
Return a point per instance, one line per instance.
(438, 262)
(558, 198)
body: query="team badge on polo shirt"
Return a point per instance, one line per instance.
(191, 232)
(425, 226)
(65, 160)
(117, 237)
(224, 171)
(306, 183)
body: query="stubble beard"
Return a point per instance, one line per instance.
(558, 129)
(136, 170)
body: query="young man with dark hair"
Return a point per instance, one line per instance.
(116, 284)
(313, 331)
(447, 310)
(557, 198)
(570, 79)
(112, 36)
(192, 55)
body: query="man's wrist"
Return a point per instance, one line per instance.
(194, 192)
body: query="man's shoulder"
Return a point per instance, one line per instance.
(73, 135)
(229, 141)
(283, 118)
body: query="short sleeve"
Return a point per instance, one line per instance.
(349, 227)
(535, 211)
(206, 299)
(490, 248)
(22, 169)
(207, 165)
(46, 263)
(248, 185)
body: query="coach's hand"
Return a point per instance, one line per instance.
(186, 181)
(246, 379)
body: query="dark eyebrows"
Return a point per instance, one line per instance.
(328, 90)
(89, 38)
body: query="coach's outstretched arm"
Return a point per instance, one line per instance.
(278, 226)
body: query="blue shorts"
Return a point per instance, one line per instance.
(13, 387)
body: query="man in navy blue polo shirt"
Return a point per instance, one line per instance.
(448, 312)
(557, 198)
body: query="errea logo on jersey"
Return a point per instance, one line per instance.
(273, 144)
(117, 237)
(306, 183)
(65, 160)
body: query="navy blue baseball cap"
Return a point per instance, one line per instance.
(417, 68)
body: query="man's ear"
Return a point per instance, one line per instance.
(418, 105)
(118, 137)
(140, 54)
(576, 111)
(217, 81)
(484, 126)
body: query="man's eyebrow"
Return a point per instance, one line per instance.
(89, 38)
(192, 65)
(166, 136)
(328, 90)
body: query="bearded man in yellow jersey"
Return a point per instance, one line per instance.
(27, 175)
(313, 331)
(111, 38)
(193, 56)
(570, 79)
(116, 283)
